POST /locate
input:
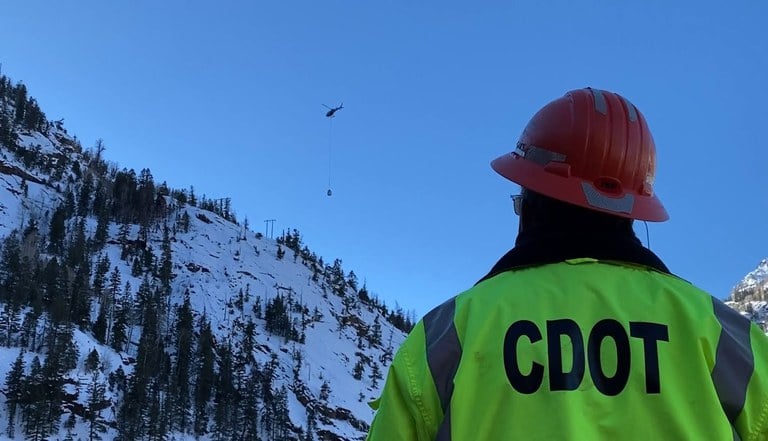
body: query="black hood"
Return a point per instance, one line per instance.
(537, 248)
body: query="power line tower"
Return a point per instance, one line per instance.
(270, 228)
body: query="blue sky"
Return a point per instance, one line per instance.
(227, 96)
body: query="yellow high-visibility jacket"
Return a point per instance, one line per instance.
(578, 350)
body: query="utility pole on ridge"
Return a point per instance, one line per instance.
(270, 228)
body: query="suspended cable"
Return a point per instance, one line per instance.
(330, 143)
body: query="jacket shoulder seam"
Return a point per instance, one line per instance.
(413, 390)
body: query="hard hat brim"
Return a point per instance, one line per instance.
(558, 185)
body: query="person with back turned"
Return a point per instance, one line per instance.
(579, 332)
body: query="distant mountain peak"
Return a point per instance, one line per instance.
(753, 285)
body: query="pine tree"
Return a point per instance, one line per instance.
(129, 420)
(311, 424)
(147, 254)
(325, 392)
(143, 295)
(7, 132)
(149, 355)
(67, 347)
(53, 285)
(375, 375)
(185, 222)
(28, 290)
(57, 231)
(278, 320)
(9, 320)
(114, 283)
(14, 391)
(246, 228)
(205, 376)
(298, 359)
(100, 200)
(138, 402)
(249, 412)
(122, 237)
(157, 422)
(34, 118)
(76, 255)
(10, 268)
(352, 280)
(180, 386)
(84, 200)
(33, 412)
(97, 401)
(248, 342)
(375, 339)
(70, 424)
(29, 329)
(102, 228)
(100, 325)
(136, 268)
(20, 104)
(225, 396)
(118, 337)
(58, 295)
(281, 417)
(388, 354)
(46, 383)
(69, 204)
(166, 263)
(145, 197)
(92, 361)
(123, 195)
(267, 378)
(257, 307)
(80, 297)
(112, 298)
(357, 373)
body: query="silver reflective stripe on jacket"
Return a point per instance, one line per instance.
(443, 356)
(734, 361)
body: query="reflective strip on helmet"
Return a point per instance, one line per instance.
(734, 360)
(600, 104)
(596, 199)
(443, 356)
(539, 155)
(631, 109)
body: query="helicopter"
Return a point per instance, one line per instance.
(330, 114)
(332, 110)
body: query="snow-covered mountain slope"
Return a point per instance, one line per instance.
(214, 263)
(753, 285)
(272, 305)
(26, 192)
(750, 295)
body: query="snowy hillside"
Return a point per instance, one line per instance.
(134, 311)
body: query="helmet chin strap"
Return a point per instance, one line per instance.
(647, 236)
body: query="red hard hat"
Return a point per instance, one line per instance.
(590, 148)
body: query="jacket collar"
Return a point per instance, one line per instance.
(537, 248)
